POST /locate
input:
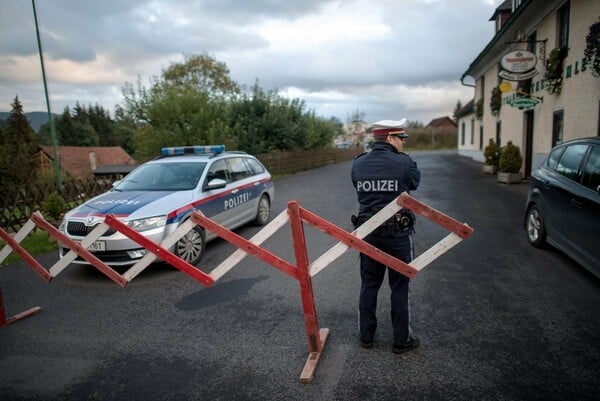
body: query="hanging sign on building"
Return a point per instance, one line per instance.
(511, 76)
(518, 65)
(523, 103)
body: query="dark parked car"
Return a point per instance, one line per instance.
(563, 205)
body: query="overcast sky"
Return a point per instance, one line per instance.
(386, 58)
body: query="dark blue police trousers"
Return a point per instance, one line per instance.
(372, 274)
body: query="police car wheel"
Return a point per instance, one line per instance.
(191, 246)
(534, 224)
(264, 211)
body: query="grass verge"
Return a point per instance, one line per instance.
(34, 243)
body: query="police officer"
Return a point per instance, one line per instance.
(379, 176)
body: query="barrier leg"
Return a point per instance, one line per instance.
(5, 322)
(316, 337)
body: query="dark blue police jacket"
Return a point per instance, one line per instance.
(381, 175)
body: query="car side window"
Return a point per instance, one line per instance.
(220, 170)
(255, 166)
(239, 168)
(591, 170)
(569, 162)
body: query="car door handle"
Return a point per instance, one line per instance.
(577, 203)
(235, 191)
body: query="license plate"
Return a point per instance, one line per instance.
(96, 246)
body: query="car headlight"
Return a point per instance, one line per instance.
(148, 224)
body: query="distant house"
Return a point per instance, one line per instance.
(82, 162)
(441, 123)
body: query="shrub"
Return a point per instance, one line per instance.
(54, 206)
(510, 159)
(491, 153)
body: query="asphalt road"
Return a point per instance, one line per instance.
(497, 319)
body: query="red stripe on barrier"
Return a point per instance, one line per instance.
(460, 229)
(244, 244)
(308, 301)
(79, 250)
(159, 251)
(16, 247)
(358, 244)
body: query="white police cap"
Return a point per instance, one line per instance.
(390, 127)
(390, 123)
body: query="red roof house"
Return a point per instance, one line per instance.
(80, 162)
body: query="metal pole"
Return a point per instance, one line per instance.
(50, 119)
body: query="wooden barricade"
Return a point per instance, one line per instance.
(303, 271)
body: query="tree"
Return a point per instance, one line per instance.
(19, 146)
(202, 73)
(196, 102)
(414, 124)
(73, 129)
(457, 109)
(186, 103)
(357, 116)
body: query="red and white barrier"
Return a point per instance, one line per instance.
(303, 271)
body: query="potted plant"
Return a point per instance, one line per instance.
(509, 164)
(491, 154)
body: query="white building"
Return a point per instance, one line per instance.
(530, 114)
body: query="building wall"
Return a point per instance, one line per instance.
(579, 98)
(470, 137)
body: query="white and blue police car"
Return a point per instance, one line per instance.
(231, 188)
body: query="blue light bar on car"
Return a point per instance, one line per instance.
(198, 150)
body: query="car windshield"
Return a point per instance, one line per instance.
(162, 177)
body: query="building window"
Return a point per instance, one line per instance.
(532, 43)
(563, 26)
(462, 133)
(498, 132)
(472, 131)
(516, 4)
(482, 91)
(481, 137)
(558, 124)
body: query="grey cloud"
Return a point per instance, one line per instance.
(430, 43)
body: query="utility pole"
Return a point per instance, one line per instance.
(50, 119)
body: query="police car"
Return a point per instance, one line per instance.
(231, 188)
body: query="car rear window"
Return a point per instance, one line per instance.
(569, 162)
(256, 167)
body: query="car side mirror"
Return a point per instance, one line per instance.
(216, 183)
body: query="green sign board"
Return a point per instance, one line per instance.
(523, 102)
